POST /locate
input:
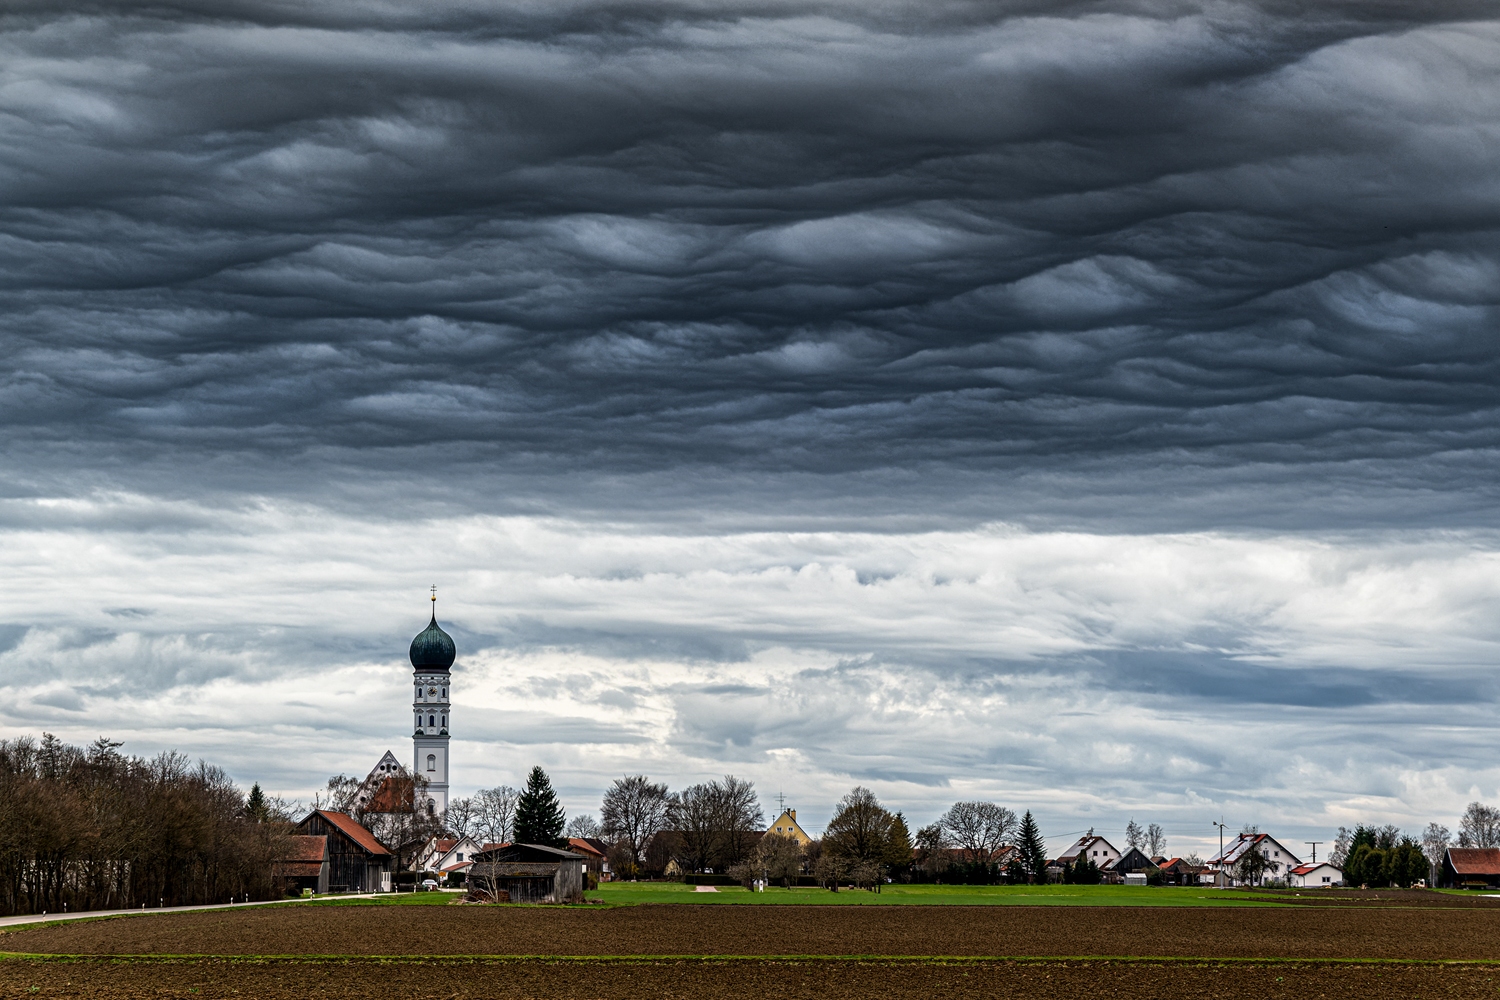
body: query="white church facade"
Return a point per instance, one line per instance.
(432, 654)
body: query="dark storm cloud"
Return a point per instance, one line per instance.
(1095, 241)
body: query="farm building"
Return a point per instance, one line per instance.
(303, 864)
(529, 873)
(1134, 862)
(1471, 867)
(1278, 859)
(1315, 876)
(357, 862)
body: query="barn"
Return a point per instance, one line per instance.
(357, 862)
(528, 873)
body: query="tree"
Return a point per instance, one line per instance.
(1134, 835)
(779, 857)
(1434, 846)
(931, 849)
(1156, 840)
(898, 851)
(539, 817)
(1251, 866)
(462, 816)
(634, 810)
(255, 804)
(1033, 850)
(494, 814)
(716, 823)
(582, 825)
(1479, 826)
(979, 829)
(861, 829)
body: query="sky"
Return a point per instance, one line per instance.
(1087, 407)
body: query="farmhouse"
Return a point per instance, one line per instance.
(1096, 849)
(357, 862)
(529, 873)
(1279, 860)
(1471, 867)
(787, 826)
(1316, 876)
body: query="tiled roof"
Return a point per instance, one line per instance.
(1311, 867)
(303, 847)
(444, 846)
(346, 824)
(582, 846)
(1475, 860)
(298, 869)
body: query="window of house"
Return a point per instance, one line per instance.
(460, 857)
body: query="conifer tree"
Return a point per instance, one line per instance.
(255, 804)
(1033, 849)
(539, 818)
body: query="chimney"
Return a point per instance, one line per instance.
(792, 813)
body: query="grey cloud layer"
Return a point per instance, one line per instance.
(1085, 238)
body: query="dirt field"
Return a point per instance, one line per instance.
(1290, 932)
(715, 980)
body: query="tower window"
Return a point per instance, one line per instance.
(445, 722)
(432, 720)
(445, 694)
(432, 762)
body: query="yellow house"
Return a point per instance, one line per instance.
(786, 825)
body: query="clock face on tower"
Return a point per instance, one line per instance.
(432, 690)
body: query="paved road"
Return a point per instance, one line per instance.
(37, 918)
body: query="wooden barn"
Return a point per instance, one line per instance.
(528, 873)
(303, 864)
(1471, 867)
(357, 862)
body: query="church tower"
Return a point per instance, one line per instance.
(432, 656)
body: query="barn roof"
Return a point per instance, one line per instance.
(1475, 860)
(346, 825)
(305, 847)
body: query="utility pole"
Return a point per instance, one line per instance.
(1220, 824)
(1314, 844)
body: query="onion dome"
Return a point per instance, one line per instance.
(432, 649)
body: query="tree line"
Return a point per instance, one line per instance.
(90, 828)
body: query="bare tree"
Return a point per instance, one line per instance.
(634, 810)
(1435, 842)
(979, 828)
(932, 846)
(715, 823)
(1339, 856)
(1479, 826)
(1156, 840)
(1134, 835)
(582, 825)
(779, 857)
(462, 816)
(860, 830)
(496, 814)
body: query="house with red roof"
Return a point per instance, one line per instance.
(357, 862)
(1321, 875)
(1278, 859)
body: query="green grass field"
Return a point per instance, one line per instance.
(928, 895)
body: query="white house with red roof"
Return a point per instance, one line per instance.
(445, 854)
(1279, 860)
(1315, 876)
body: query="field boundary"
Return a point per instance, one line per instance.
(164, 959)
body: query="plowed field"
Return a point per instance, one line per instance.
(716, 980)
(1279, 932)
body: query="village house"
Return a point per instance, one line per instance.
(1279, 860)
(443, 854)
(1315, 876)
(1096, 849)
(787, 826)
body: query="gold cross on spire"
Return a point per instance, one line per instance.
(434, 593)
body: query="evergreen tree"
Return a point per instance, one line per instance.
(539, 818)
(898, 852)
(1033, 850)
(255, 804)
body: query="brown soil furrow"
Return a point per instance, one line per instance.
(1301, 933)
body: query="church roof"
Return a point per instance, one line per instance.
(432, 649)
